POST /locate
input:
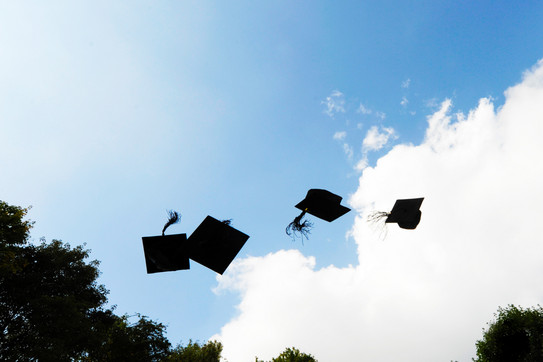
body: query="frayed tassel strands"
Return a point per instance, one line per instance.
(173, 217)
(298, 228)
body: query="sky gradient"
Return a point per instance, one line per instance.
(112, 114)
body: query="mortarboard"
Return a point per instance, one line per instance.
(165, 253)
(323, 204)
(214, 244)
(320, 203)
(406, 213)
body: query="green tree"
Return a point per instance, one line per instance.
(515, 335)
(292, 355)
(14, 231)
(53, 309)
(141, 341)
(194, 352)
(48, 306)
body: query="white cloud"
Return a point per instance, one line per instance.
(363, 109)
(406, 83)
(432, 103)
(380, 115)
(376, 140)
(335, 103)
(421, 295)
(348, 149)
(404, 101)
(362, 163)
(340, 135)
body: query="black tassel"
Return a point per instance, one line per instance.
(173, 217)
(298, 228)
(377, 219)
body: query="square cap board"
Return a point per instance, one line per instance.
(323, 204)
(406, 213)
(214, 244)
(166, 253)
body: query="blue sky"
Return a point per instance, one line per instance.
(112, 114)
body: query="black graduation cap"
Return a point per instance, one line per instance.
(323, 204)
(214, 244)
(166, 252)
(406, 213)
(320, 203)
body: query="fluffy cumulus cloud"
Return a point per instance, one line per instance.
(424, 294)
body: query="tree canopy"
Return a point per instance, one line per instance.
(52, 307)
(51, 304)
(194, 352)
(292, 355)
(13, 229)
(515, 335)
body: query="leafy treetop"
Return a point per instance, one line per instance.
(13, 229)
(515, 335)
(292, 355)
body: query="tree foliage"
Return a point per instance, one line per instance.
(292, 355)
(194, 352)
(515, 335)
(13, 229)
(53, 309)
(139, 342)
(50, 304)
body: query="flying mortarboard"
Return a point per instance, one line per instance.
(406, 213)
(166, 252)
(320, 203)
(214, 244)
(323, 204)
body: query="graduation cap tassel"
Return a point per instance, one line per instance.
(376, 217)
(297, 226)
(173, 217)
(377, 222)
